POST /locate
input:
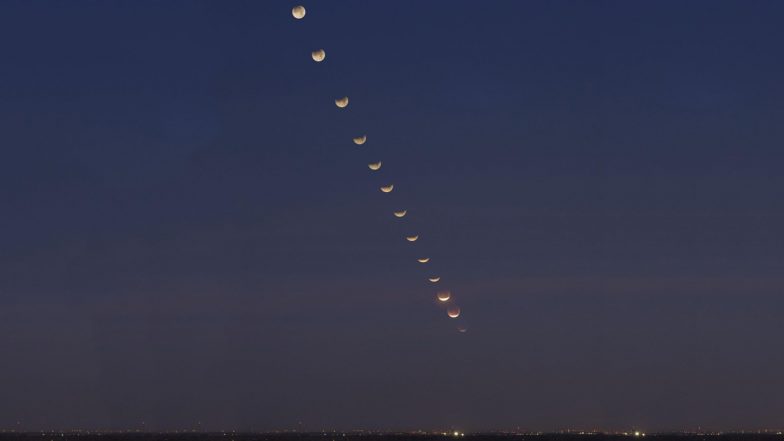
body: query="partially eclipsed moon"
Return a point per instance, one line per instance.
(412, 238)
(434, 279)
(461, 329)
(443, 296)
(423, 260)
(400, 213)
(298, 12)
(318, 56)
(374, 165)
(388, 188)
(453, 312)
(342, 102)
(359, 140)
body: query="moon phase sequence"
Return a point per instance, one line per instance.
(443, 296)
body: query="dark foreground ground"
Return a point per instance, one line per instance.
(58, 436)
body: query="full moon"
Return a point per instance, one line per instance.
(318, 56)
(342, 102)
(453, 312)
(298, 12)
(443, 296)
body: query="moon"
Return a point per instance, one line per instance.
(359, 140)
(400, 213)
(298, 12)
(453, 312)
(318, 56)
(388, 188)
(461, 329)
(374, 165)
(342, 102)
(423, 260)
(443, 296)
(412, 238)
(434, 279)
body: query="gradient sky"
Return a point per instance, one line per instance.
(188, 235)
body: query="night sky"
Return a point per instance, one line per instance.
(188, 235)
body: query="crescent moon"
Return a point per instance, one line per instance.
(412, 238)
(400, 213)
(374, 165)
(318, 56)
(453, 312)
(462, 329)
(388, 188)
(423, 260)
(359, 140)
(434, 279)
(443, 296)
(342, 102)
(298, 12)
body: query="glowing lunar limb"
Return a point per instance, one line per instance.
(443, 296)
(298, 12)
(359, 140)
(412, 238)
(461, 329)
(374, 165)
(423, 260)
(387, 188)
(318, 56)
(453, 312)
(342, 102)
(400, 213)
(434, 279)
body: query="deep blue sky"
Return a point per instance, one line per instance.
(188, 235)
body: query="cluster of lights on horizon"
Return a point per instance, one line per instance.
(236, 432)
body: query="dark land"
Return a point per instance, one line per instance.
(334, 436)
